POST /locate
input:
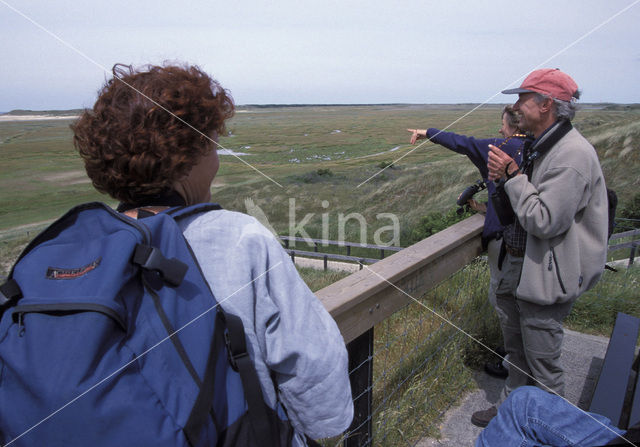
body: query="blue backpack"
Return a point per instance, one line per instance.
(110, 335)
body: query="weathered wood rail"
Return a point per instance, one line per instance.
(367, 297)
(316, 243)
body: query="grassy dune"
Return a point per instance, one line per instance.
(41, 176)
(421, 365)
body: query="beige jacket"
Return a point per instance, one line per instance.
(564, 210)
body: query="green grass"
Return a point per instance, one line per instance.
(595, 311)
(41, 175)
(421, 364)
(318, 279)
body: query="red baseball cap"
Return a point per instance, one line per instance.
(548, 81)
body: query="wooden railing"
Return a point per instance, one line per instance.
(367, 297)
(317, 243)
(631, 245)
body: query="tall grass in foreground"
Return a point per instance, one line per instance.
(423, 365)
(318, 279)
(595, 311)
(421, 356)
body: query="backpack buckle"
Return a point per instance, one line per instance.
(10, 293)
(232, 355)
(150, 258)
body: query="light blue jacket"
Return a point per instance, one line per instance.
(288, 330)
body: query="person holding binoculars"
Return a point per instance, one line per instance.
(477, 150)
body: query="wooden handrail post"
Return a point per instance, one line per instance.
(361, 377)
(367, 297)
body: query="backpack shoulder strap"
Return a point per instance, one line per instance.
(264, 423)
(183, 212)
(260, 418)
(178, 213)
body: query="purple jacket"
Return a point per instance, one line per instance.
(478, 152)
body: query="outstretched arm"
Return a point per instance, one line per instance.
(417, 134)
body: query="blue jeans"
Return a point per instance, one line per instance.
(532, 417)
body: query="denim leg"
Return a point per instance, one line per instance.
(532, 417)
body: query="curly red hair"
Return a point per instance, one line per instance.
(139, 138)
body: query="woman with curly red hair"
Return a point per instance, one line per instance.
(150, 140)
(148, 129)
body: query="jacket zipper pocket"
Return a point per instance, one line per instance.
(554, 260)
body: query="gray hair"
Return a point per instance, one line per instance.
(513, 119)
(561, 109)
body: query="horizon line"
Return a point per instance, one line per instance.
(273, 105)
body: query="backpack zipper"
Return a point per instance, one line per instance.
(20, 324)
(144, 231)
(43, 236)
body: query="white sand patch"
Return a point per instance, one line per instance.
(68, 177)
(231, 152)
(376, 154)
(318, 264)
(6, 118)
(318, 157)
(25, 228)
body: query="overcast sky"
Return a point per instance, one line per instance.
(299, 51)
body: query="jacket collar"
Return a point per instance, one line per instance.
(170, 198)
(544, 142)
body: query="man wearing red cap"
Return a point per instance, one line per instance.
(558, 196)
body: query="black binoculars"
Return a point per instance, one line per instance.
(470, 191)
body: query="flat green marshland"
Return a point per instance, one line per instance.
(314, 162)
(310, 167)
